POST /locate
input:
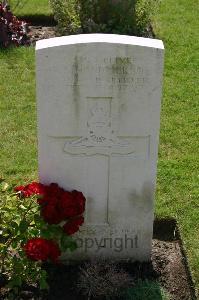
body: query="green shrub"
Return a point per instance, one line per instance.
(66, 13)
(144, 10)
(107, 16)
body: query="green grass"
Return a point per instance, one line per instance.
(17, 115)
(31, 7)
(178, 180)
(176, 22)
(146, 290)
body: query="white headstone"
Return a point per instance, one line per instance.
(98, 127)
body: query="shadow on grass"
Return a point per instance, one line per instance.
(165, 229)
(38, 20)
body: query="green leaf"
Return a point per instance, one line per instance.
(14, 225)
(37, 218)
(51, 231)
(23, 226)
(46, 234)
(18, 219)
(5, 186)
(35, 209)
(43, 283)
(1, 180)
(6, 235)
(16, 281)
(67, 242)
(23, 207)
(34, 231)
(56, 230)
(14, 244)
(73, 246)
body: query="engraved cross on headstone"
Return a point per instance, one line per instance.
(102, 139)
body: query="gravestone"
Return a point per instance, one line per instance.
(99, 102)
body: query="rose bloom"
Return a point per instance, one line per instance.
(73, 225)
(52, 192)
(79, 201)
(72, 204)
(31, 189)
(64, 205)
(51, 213)
(57, 205)
(39, 249)
(55, 189)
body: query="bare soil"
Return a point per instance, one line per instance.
(41, 32)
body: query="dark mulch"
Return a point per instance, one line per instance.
(38, 32)
(168, 266)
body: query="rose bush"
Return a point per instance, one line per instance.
(37, 224)
(57, 205)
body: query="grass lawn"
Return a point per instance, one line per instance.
(31, 7)
(146, 290)
(178, 180)
(17, 115)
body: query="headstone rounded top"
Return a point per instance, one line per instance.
(99, 38)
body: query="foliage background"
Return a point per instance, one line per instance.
(107, 16)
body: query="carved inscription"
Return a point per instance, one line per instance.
(109, 71)
(102, 136)
(99, 120)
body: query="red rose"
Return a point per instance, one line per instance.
(51, 192)
(72, 204)
(31, 189)
(73, 225)
(55, 252)
(61, 205)
(54, 188)
(51, 210)
(79, 201)
(56, 204)
(51, 214)
(39, 249)
(19, 188)
(36, 188)
(67, 205)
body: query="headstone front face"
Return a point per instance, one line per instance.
(98, 129)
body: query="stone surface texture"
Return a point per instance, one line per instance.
(99, 99)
